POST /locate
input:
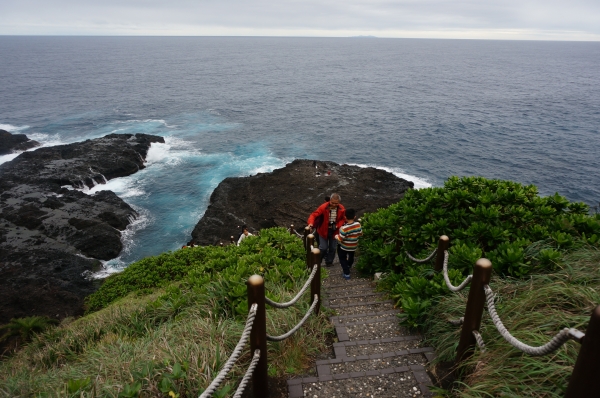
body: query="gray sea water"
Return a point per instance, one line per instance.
(423, 109)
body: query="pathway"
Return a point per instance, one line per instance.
(374, 355)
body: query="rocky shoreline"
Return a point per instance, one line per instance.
(288, 195)
(51, 236)
(11, 143)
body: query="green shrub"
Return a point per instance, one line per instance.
(505, 221)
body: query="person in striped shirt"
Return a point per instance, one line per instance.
(348, 241)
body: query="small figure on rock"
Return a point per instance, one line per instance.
(348, 241)
(327, 219)
(245, 233)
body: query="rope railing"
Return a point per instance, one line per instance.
(300, 293)
(585, 374)
(479, 340)
(240, 390)
(299, 325)
(237, 351)
(416, 260)
(555, 343)
(255, 328)
(447, 279)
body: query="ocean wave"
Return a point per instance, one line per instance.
(12, 129)
(418, 181)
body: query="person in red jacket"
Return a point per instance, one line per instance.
(332, 214)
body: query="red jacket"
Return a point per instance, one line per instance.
(324, 210)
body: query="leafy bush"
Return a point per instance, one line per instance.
(275, 254)
(505, 221)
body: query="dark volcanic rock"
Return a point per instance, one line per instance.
(51, 237)
(10, 143)
(288, 196)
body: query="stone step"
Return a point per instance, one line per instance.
(368, 330)
(397, 382)
(414, 356)
(355, 299)
(377, 346)
(349, 319)
(372, 306)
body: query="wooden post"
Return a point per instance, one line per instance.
(586, 373)
(306, 232)
(395, 266)
(221, 244)
(310, 241)
(443, 244)
(482, 274)
(291, 229)
(232, 240)
(258, 335)
(315, 285)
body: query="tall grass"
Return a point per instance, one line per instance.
(170, 342)
(533, 310)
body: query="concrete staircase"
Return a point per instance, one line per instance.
(374, 356)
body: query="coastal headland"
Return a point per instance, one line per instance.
(288, 195)
(51, 235)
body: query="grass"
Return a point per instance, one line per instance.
(533, 310)
(169, 340)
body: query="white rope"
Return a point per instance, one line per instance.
(416, 260)
(240, 390)
(479, 340)
(291, 332)
(234, 355)
(457, 322)
(297, 234)
(555, 343)
(450, 286)
(300, 293)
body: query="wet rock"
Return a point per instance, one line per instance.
(52, 236)
(288, 196)
(10, 143)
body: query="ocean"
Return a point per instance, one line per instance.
(236, 106)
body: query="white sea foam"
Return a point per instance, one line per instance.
(419, 182)
(12, 129)
(115, 265)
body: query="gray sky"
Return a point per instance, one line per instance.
(472, 19)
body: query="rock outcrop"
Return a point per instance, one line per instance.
(51, 236)
(288, 195)
(10, 143)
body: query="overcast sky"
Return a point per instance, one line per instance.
(472, 19)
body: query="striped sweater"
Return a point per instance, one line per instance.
(349, 234)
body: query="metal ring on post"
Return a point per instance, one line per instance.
(482, 274)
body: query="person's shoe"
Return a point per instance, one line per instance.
(347, 277)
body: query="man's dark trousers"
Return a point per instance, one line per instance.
(328, 246)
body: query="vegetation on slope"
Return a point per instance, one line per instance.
(523, 234)
(166, 325)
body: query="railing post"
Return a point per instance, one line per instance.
(291, 229)
(315, 285)
(305, 235)
(443, 245)
(232, 240)
(586, 373)
(482, 274)
(258, 334)
(395, 266)
(310, 241)
(221, 244)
